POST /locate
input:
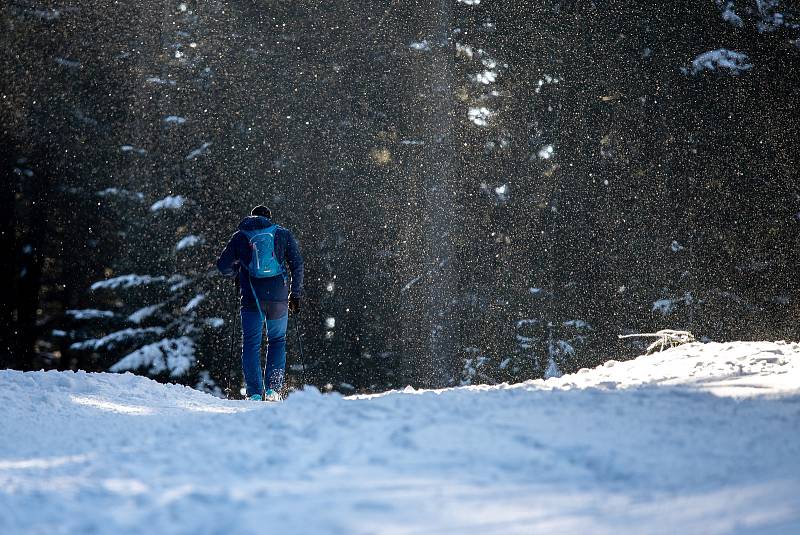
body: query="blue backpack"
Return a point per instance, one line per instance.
(263, 263)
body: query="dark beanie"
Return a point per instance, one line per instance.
(262, 211)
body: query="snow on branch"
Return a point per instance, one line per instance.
(170, 202)
(44, 13)
(579, 325)
(89, 314)
(188, 241)
(173, 355)
(174, 119)
(142, 314)
(419, 277)
(721, 59)
(666, 338)
(47, 14)
(480, 115)
(194, 302)
(178, 282)
(115, 338)
(198, 151)
(773, 16)
(126, 281)
(215, 323)
(68, 63)
(131, 148)
(666, 306)
(159, 81)
(121, 193)
(420, 46)
(728, 12)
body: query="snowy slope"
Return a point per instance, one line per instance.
(698, 439)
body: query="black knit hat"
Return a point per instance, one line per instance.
(262, 211)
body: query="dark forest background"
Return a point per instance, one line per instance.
(483, 191)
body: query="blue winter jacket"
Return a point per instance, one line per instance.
(237, 254)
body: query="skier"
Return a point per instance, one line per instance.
(259, 252)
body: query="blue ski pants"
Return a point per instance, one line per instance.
(276, 315)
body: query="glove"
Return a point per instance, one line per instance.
(294, 304)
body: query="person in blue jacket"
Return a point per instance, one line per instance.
(264, 299)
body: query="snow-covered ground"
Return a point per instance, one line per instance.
(698, 439)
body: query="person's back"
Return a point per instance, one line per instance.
(258, 254)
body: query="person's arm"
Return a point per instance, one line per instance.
(228, 262)
(295, 260)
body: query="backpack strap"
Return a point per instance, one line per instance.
(250, 234)
(255, 296)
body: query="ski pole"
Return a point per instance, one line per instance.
(233, 337)
(264, 377)
(300, 348)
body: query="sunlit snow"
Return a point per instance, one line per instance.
(695, 437)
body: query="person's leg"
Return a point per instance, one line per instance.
(277, 320)
(251, 350)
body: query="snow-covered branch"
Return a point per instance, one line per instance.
(666, 338)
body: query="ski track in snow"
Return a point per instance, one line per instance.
(698, 439)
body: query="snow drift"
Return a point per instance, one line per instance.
(697, 439)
